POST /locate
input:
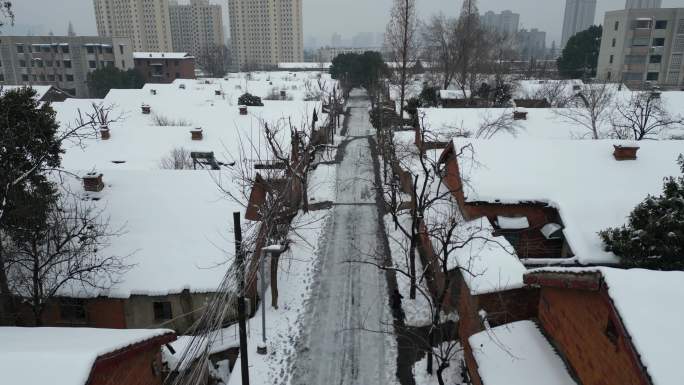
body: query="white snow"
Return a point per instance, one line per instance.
(177, 231)
(453, 94)
(513, 223)
(452, 375)
(488, 264)
(161, 55)
(322, 184)
(649, 305)
(591, 190)
(60, 356)
(517, 354)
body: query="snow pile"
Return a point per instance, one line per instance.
(591, 190)
(61, 356)
(322, 184)
(517, 354)
(284, 324)
(176, 228)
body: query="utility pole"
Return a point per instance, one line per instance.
(240, 262)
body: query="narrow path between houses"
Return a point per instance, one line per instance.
(347, 336)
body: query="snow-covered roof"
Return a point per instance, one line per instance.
(40, 90)
(649, 304)
(176, 231)
(161, 55)
(533, 89)
(591, 190)
(61, 356)
(488, 264)
(517, 354)
(454, 94)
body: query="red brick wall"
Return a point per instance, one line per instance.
(100, 313)
(576, 321)
(134, 369)
(170, 70)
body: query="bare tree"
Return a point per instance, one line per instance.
(557, 92)
(178, 159)
(214, 60)
(591, 108)
(439, 37)
(642, 117)
(494, 123)
(474, 50)
(402, 40)
(68, 251)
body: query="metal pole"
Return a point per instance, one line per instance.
(263, 300)
(240, 262)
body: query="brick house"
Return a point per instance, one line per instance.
(81, 356)
(614, 326)
(164, 67)
(549, 199)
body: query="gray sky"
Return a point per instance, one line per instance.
(321, 17)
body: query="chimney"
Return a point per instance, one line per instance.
(196, 134)
(146, 109)
(625, 152)
(217, 92)
(520, 114)
(243, 110)
(92, 182)
(104, 132)
(153, 91)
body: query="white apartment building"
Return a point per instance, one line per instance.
(579, 15)
(195, 27)
(506, 22)
(146, 22)
(266, 32)
(635, 4)
(643, 47)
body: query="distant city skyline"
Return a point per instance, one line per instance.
(40, 17)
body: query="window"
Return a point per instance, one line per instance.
(70, 78)
(162, 311)
(65, 49)
(20, 48)
(48, 63)
(609, 75)
(24, 77)
(123, 64)
(642, 24)
(90, 49)
(109, 50)
(121, 48)
(661, 24)
(640, 41)
(680, 27)
(60, 78)
(659, 42)
(614, 41)
(72, 310)
(652, 76)
(673, 77)
(51, 78)
(611, 59)
(67, 64)
(2, 77)
(22, 63)
(617, 25)
(676, 60)
(678, 45)
(656, 59)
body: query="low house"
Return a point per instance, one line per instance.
(81, 356)
(48, 94)
(515, 354)
(614, 326)
(164, 67)
(460, 99)
(549, 199)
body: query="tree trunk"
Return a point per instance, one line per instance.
(274, 280)
(440, 371)
(412, 263)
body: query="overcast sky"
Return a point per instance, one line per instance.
(321, 17)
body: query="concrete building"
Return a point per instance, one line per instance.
(146, 22)
(164, 67)
(506, 22)
(532, 44)
(579, 15)
(266, 32)
(61, 61)
(195, 27)
(643, 46)
(636, 4)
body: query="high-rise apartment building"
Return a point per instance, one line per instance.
(266, 32)
(61, 61)
(146, 22)
(506, 22)
(195, 27)
(531, 44)
(635, 4)
(579, 15)
(642, 47)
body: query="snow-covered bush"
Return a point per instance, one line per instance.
(654, 236)
(250, 100)
(165, 121)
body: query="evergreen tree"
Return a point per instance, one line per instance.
(250, 100)
(654, 235)
(579, 58)
(102, 80)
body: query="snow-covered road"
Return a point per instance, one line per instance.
(344, 340)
